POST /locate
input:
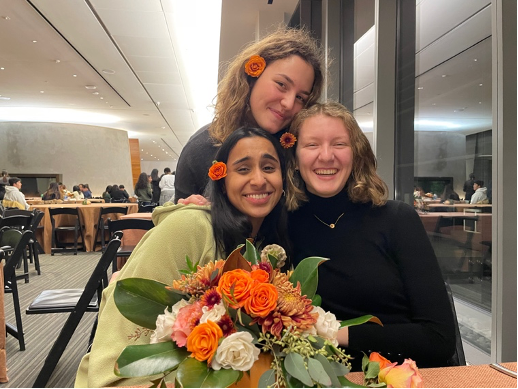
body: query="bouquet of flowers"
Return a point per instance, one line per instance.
(211, 326)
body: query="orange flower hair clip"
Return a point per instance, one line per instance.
(288, 140)
(255, 66)
(217, 171)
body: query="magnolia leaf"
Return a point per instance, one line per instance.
(307, 274)
(149, 359)
(251, 254)
(373, 369)
(345, 383)
(158, 383)
(316, 301)
(294, 364)
(267, 379)
(141, 300)
(329, 370)
(236, 261)
(195, 374)
(273, 260)
(360, 320)
(318, 373)
(339, 368)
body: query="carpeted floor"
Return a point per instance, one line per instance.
(57, 272)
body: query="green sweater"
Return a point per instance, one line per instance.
(180, 230)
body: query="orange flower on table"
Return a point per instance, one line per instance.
(217, 171)
(384, 362)
(236, 286)
(255, 66)
(262, 300)
(405, 375)
(202, 342)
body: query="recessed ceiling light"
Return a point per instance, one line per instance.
(95, 93)
(4, 98)
(444, 75)
(102, 98)
(42, 91)
(420, 88)
(2, 68)
(108, 71)
(163, 128)
(74, 75)
(90, 87)
(142, 150)
(57, 61)
(34, 41)
(480, 84)
(475, 60)
(480, 102)
(6, 18)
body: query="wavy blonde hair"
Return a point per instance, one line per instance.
(232, 105)
(363, 185)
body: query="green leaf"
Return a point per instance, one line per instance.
(249, 329)
(273, 260)
(195, 374)
(316, 301)
(294, 364)
(307, 274)
(149, 359)
(251, 254)
(360, 320)
(141, 300)
(329, 370)
(267, 379)
(339, 368)
(348, 384)
(373, 369)
(365, 362)
(158, 383)
(189, 262)
(318, 373)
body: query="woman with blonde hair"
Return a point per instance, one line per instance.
(265, 85)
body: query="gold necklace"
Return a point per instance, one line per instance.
(332, 225)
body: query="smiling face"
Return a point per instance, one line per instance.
(254, 179)
(324, 155)
(280, 92)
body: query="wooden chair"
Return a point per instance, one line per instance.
(102, 224)
(75, 301)
(58, 246)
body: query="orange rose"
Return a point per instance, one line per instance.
(217, 171)
(255, 66)
(202, 342)
(402, 376)
(377, 357)
(260, 275)
(262, 301)
(236, 285)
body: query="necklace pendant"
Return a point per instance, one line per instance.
(332, 225)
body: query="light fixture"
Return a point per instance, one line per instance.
(74, 75)
(90, 87)
(420, 88)
(480, 84)
(34, 41)
(444, 76)
(2, 68)
(475, 60)
(4, 98)
(95, 93)
(108, 71)
(26, 114)
(42, 91)
(57, 61)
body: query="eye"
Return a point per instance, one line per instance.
(281, 84)
(302, 99)
(243, 169)
(269, 168)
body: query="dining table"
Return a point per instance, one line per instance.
(473, 376)
(3, 358)
(89, 215)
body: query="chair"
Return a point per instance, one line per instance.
(21, 223)
(127, 224)
(77, 228)
(16, 212)
(102, 225)
(146, 208)
(22, 240)
(75, 301)
(118, 201)
(34, 246)
(458, 358)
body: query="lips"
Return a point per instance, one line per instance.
(258, 196)
(326, 172)
(278, 114)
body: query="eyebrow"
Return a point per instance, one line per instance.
(292, 83)
(265, 155)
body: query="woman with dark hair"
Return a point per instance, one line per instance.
(52, 193)
(143, 189)
(117, 195)
(106, 194)
(155, 187)
(449, 194)
(247, 202)
(77, 193)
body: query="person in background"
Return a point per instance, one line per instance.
(143, 189)
(449, 194)
(14, 198)
(167, 186)
(106, 194)
(116, 194)
(4, 181)
(124, 191)
(480, 195)
(86, 191)
(381, 261)
(255, 165)
(52, 193)
(77, 193)
(62, 189)
(155, 187)
(468, 187)
(264, 86)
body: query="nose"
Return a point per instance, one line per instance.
(288, 101)
(326, 154)
(257, 179)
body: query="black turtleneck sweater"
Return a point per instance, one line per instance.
(381, 263)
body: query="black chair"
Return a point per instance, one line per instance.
(118, 201)
(16, 212)
(34, 246)
(75, 301)
(20, 223)
(22, 240)
(127, 224)
(59, 246)
(146, 207)
(458, 358)
(102, 224)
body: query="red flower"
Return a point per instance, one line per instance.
(288, 140)
(217, 171)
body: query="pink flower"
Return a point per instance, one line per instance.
(188, 317)
(402, 376)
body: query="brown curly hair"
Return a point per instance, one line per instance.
(232, 108)
(363, 185)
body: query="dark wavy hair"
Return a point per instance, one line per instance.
(142, 182)
(229, 225)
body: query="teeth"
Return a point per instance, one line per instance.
(326, 171)
(258, 196)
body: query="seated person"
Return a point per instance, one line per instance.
(86, 191)
(449, 193)
(106, 194)
(52, 193)
(480, 195)
(116, 194)
(124, 191)
(77, 193)
(13, 197)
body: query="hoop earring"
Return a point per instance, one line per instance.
(283, 193)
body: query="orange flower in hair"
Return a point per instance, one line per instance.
(255, 66)
(288, 140)
(217, 171)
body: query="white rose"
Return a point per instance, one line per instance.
(179, 305)
(327, 326)
(213, 314)
(164, 327)
(236, 352)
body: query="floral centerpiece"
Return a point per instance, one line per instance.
(211, 326)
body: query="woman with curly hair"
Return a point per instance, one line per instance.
(265, 85)
(143, 189)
